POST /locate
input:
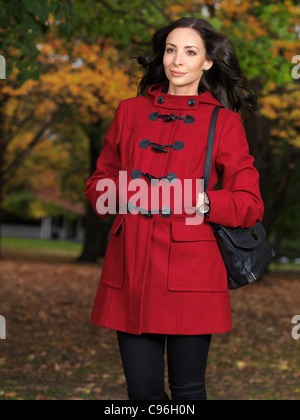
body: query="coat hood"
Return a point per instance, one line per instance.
(163, 100)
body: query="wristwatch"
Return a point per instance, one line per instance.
(205, 208)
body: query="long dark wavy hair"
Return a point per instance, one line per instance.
(225, 80)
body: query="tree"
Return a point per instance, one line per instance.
(80, 83)
(89, 87)
(22, 24)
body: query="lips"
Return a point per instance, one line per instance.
(178, 73)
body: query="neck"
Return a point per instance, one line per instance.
(182, 90)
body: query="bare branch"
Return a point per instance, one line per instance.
(10, 171)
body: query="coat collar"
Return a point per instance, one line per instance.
(163, 100)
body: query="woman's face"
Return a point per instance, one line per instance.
(185, 61)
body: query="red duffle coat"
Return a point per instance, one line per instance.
(161, 275)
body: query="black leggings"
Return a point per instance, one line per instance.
(144, 365)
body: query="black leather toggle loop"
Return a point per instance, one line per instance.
(144, 144)
(165, 212)
(169, 118)
(159, 148)
(137, 174)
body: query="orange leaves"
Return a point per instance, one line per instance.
(285, 48)
(235, 8)
(176, 10)
(283, 109)
(86, 79)
(256, 27)
(82, 84)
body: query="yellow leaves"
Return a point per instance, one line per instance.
(270, 106)
(285, 48)
(273, 100)
(12, 91)
(271, 86)
(284, 110)
(241, 365)
(230, 10)
(283, 365)
(44, 108)
(10, 395)
(86, 78)
(94, 85)
(37, 210)
(295, 114)
(176, 10)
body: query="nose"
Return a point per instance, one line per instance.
(178, 60)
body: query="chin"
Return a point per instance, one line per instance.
(179, 83)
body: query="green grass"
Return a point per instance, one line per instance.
(54, 247)
(39, 245)
(285, 267)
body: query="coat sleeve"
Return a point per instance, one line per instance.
(109, 163)
(239, 202)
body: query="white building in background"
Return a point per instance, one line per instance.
(59, 228)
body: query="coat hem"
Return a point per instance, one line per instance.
(211, 331)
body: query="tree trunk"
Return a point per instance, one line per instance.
(96, 236)
(258, 130)
(258, 135)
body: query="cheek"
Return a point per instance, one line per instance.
(167, 60)
(196, 65)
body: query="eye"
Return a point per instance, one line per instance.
(170, 50)
(191, 52)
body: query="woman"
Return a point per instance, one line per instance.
(164, 280)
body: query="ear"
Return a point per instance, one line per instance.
(208, 65)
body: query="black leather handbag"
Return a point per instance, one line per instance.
(246, 252)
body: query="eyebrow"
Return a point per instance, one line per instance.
(191, 46)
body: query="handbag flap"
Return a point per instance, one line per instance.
(243, 238)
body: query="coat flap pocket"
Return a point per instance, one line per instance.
(190, 233)
(117, 224)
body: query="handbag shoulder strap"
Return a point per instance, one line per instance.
(210, 147)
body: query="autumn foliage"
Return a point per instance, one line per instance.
(82, 57)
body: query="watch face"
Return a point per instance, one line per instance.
(205, 208)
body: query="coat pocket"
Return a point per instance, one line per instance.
(114, 261)
(195, 261)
